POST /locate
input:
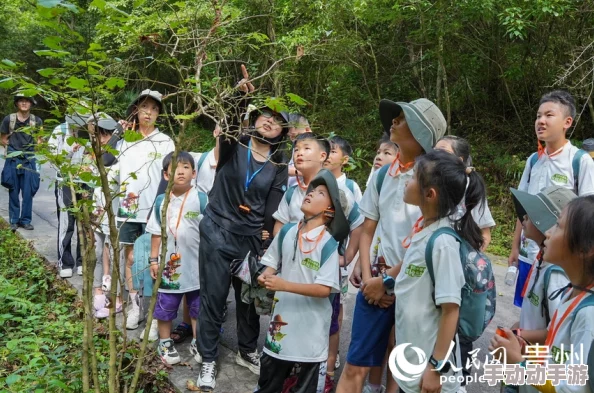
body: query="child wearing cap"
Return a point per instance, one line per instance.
(180, 277)
(554, 164)
(538, 213)
(303, 272)
(415, 127)
(139, 173)
(19, 174)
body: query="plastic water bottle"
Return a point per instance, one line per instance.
(510, 276)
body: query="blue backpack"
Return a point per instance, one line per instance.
(381, 175)
(479, 294)
(575, 166)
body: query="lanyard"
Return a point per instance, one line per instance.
(316, 240)
(536, 261)
(416, 229)
(302, 186)
(400, 168)
(248, 178)
(554, 328)
(542, 150)
(179, 216)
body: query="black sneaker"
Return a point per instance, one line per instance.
(28, 227)
(249, 360)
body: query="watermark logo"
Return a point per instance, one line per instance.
(402, 368)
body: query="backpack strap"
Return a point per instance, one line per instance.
(157, 209)
(587, 302)
(350, 185)
(429, 251)
(201, 161)
(203, 199)
(531, 162)
(547, 280)
(289, 194)
(329, 248)
(575, 165)
(381, 175)
(281, 237)
(12, 122)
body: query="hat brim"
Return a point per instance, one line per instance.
(416, 121)
(30, 99)
(535, 208)
(339, 227)
(141, 97)
(77, 120)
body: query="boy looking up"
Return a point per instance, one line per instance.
(304, 278)
(552, 165)
(298, 124)
(340, 154)
(180, 276)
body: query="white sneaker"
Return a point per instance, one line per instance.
(106, 283)
(66, 273)
(168, 353)
(462, 389)
(207, 380)
(134, 313)
(153, 331)
(367, 389)
(79, 270)
(337, 362)
(194, 351)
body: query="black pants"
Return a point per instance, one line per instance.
(465, 349)
(66, 228)
(218, 247)
(273, 373)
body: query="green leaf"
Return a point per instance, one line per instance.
(112, 83)
(7, 83)
(13, 378)
(51, 53)
(47, 72)
(87, 177)
(186, 117)
(100, 4)
(296, 99)
(53, 42)
(9, 63)
(132, 136)
(77, 83)
(14, 154)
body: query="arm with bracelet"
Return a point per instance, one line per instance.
(154, 258)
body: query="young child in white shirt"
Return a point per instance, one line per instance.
(180, 276)
(440, 182)
(298, 124)
(303, 271)
(569, 336)
(385, 153)
(558, 163)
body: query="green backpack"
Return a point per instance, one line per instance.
(159, 201)
(479, 294)
(575, 166)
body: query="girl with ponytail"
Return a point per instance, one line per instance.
(440, 182)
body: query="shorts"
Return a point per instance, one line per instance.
(370, 333)
(310, 377)
(334, 325)
(168, 304)
(130, 231)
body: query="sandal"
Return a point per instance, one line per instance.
(181, 332)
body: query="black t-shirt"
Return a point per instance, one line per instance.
(228, 191)
(19, 141)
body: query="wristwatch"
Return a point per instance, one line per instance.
(388, 281)
(441, 366)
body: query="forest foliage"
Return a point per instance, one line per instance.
(485, 63)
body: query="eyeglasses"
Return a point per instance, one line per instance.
(275, 116)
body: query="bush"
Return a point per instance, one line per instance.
(41, 328)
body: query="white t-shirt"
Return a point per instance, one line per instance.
(205, 175)
(299, 325)
(373, 170)
(395, 218)
(556, 170)
(342, 183)
(291, 212)
(58, 144)
(144, 159)
(183, 275)
(417, 318)
(532, 315)
(580, 334)
(99, 201)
